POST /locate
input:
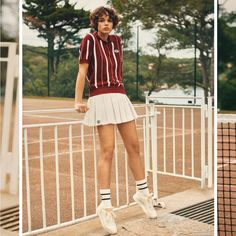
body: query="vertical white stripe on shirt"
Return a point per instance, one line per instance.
(87, 79)
(95, 62)
(115, 61)
(87, 51)
(108, 77)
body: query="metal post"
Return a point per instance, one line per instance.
(137, 63)
(147, 136)
(209, 133)
(203, 170)
(154, 152)
(49, 72)
(195, 60)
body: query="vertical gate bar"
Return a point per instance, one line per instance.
(173, 132)
(203, 179)
(72, 192)
(27, 179)
(116, 168)
(183, 141)
(145, 143)
(192, 143)
(83, 170)
(126, 178)
(154, 152)
(95, 167)
(57, 175)
(164, 137)
(147, 132)
(209, 133)
(42, 177)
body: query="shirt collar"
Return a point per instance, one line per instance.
(108, 38)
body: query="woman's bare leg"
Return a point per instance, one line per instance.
(107, 143)
(129, 135)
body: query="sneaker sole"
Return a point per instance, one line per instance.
(103, 225)
(143, 208)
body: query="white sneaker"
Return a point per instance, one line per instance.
(106, 216)
(145, 202)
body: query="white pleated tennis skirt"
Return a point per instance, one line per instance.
(109, 108)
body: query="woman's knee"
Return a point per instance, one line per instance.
(107, 152)
(133, 148)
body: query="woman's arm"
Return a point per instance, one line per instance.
(79, 88)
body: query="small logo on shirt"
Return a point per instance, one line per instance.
(116, 51)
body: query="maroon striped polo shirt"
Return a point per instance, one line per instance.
(105, 63)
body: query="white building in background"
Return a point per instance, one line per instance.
(170, 95)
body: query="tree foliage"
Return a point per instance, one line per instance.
(227, 60)
(58, 22)
(181, 20)
(35, 64)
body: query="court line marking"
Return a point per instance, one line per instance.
(54, 117)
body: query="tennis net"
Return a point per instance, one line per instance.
(226, 175)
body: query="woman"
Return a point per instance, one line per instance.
(101, 64)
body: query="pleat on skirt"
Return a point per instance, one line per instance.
(109, 108)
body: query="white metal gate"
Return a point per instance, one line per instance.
(205, 132)
(35, 135)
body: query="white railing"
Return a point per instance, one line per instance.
(9, 157)
(42, 150)
(198, 114)
(42, 129)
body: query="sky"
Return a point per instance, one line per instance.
(146, 37)
(229, 5)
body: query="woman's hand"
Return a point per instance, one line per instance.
(81, 107)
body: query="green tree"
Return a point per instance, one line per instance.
(183, 20)
(227, 60)
(58, 22)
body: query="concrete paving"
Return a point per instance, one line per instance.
(132, 221)
(4, 232)
(7, 200)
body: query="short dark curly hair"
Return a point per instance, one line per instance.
(100, 11)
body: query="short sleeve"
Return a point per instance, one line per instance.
(120, 43)
(86, 49)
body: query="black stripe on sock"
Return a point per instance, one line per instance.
(142, 188)
(105, 193)
(106, 199)
(142, 184)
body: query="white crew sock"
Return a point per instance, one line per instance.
(141, 185)
(105, 197)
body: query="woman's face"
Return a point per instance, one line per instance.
(105, 24)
